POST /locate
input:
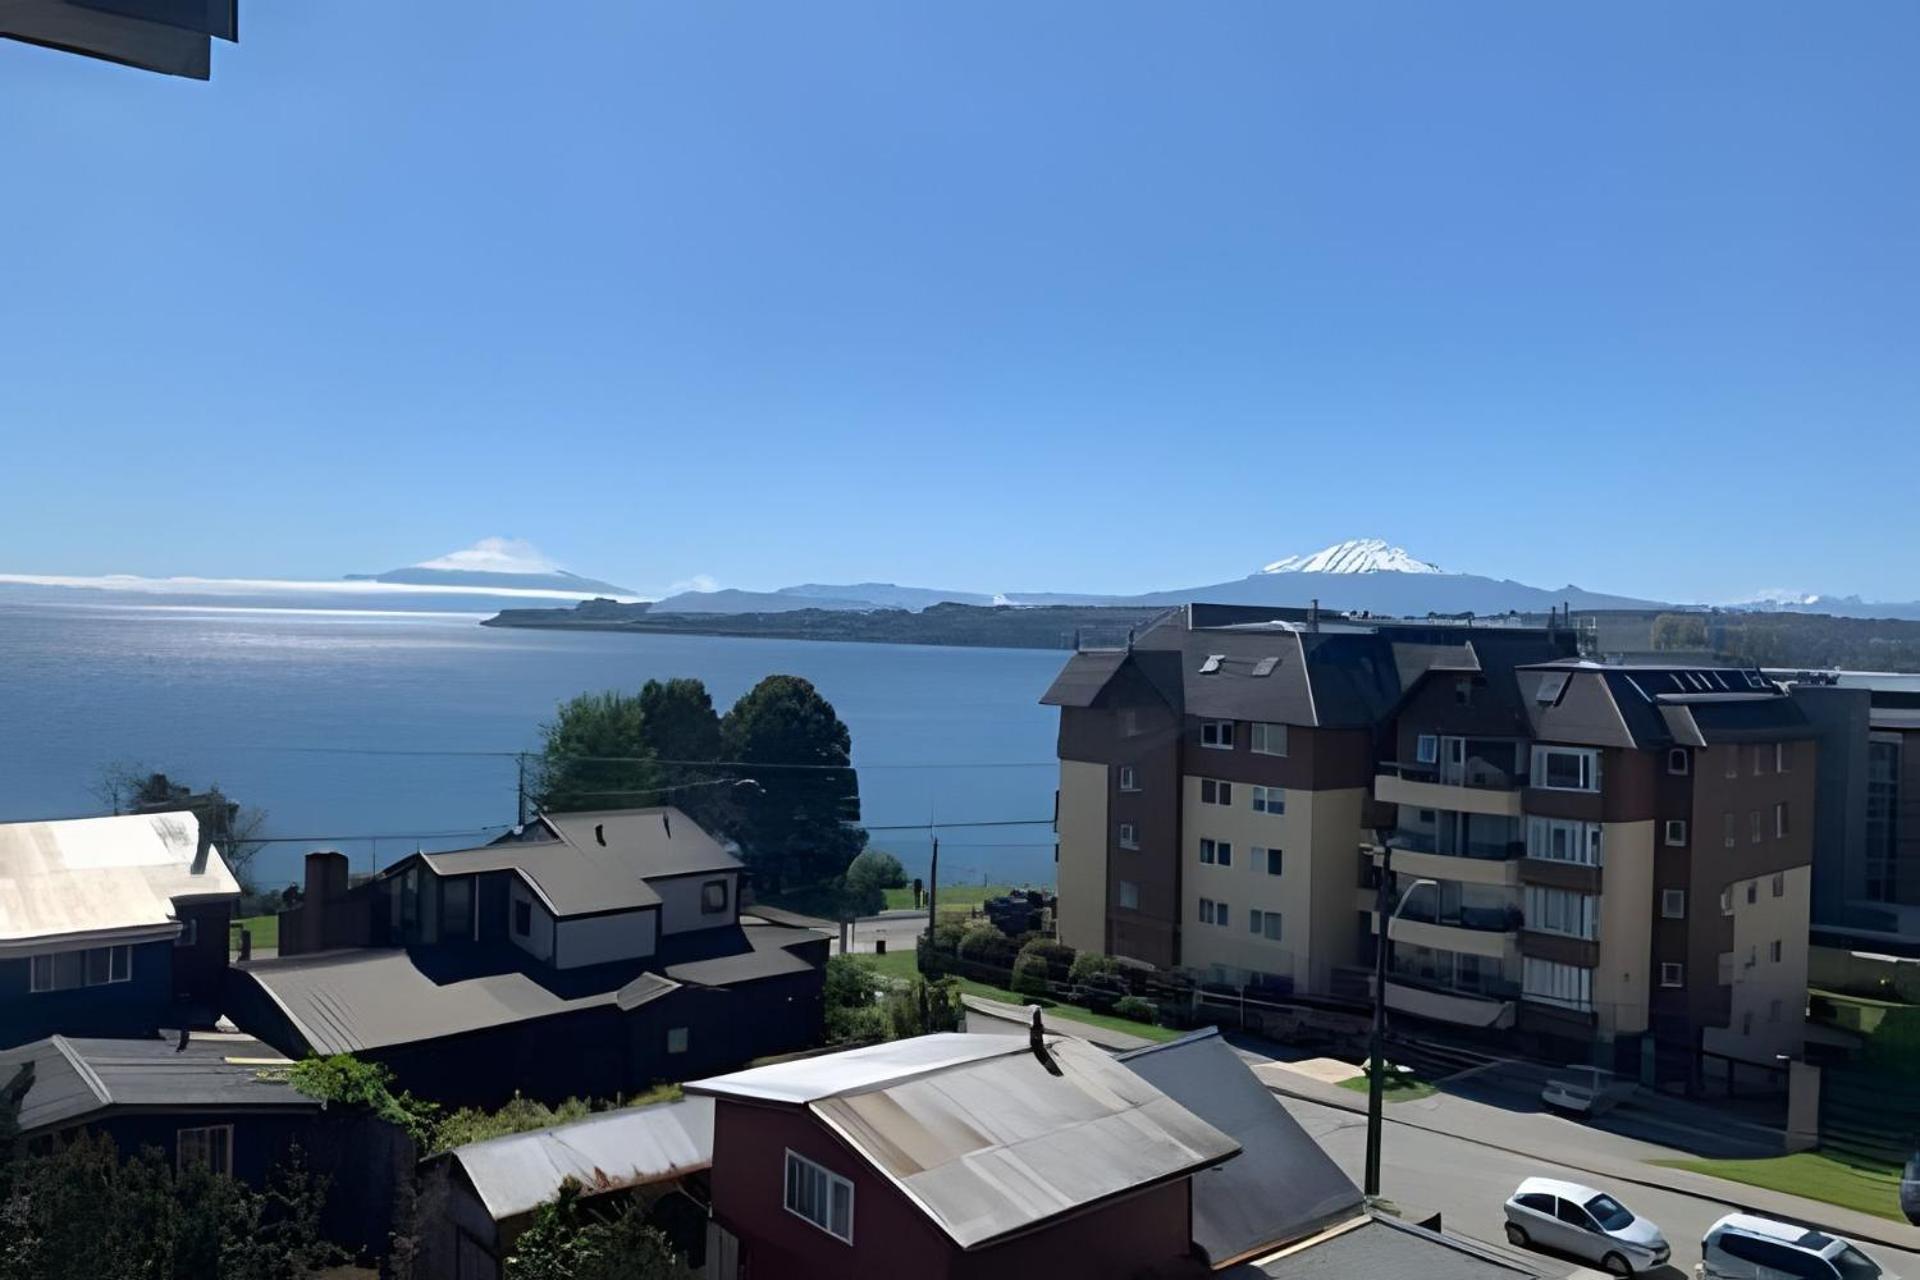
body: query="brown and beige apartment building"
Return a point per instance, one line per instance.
(1617, 857)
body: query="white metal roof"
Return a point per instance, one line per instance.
(614, 1149)
(88, 881)
(810, 1079)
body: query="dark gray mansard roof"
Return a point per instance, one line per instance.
(75, 1079)
(1654, 707)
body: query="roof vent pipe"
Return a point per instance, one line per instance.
(600, 833)
(1313, 615)
(1037, 1041)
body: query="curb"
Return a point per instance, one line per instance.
(1629, 1174)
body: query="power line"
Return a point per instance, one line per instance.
(377, 835)
(710, 764)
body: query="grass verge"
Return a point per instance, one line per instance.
(1399, 1088)
(1866, 1188)
(956, 898)
(904, 965)
(265, 931)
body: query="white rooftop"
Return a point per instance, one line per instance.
(857, 1070)
(92, 881)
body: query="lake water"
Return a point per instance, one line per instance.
(350, 725)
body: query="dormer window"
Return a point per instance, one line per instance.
(713, 897)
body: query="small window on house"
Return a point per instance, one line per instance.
(1426, 749)
(1215, 913)
(1463, 691)
(1726, 902)
(210, 1147)
(820, 1196)
(1753, 892)
(1677, 832)
(1779, 886)
(1129, 836)
(1128, 780)
(1265, 666)
(99, 967)
(1678, 761)
(1206, 851)
(713, 897)
(1773, 951)
(1272, 861)
(1269, 800)
(1760, 758)
(1673, 904)
(1217, 734)
(1781, 827)
(1753, 824)
(1782, 757)
(189, 933)
(522, 918)
(1264, 923)
(1212, 665)
(1727, 830)
(1733, 762)
(1550, 688)
(1269, 739)
(1223, 852)
(42, 979)
(1672, 975)
(1129, 895)
(676, 1039)
(1130, 726)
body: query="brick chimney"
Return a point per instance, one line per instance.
(326, 890)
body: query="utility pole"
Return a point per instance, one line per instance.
(933, 889)
(1376, 1068)
(520, 786)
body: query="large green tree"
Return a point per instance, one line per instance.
(595, 754)
(798, 829)
(235, 830)
(681, 726)
(568, 1240)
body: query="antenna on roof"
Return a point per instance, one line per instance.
(600, 833)
(1037, 1041)
(668, 826)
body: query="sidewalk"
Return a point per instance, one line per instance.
(1603, 1154)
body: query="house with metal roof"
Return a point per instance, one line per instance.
(478, 1198)
(221, 1100)
(585, 955)
(953, 1156)
(111, 926)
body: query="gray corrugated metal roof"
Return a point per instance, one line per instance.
(1282, 1188)
(350, 1001)
(568, 882)
(1381, 1247)
(74, 1078)
(518, 1173)
(102, 879)
(654, 842)
(982, 1137)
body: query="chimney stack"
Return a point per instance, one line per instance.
(326, 888)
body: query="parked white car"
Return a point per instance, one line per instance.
(1743, 1246)
(1588, 1224)
(1587, 1091)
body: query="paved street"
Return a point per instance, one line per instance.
(1466, 1183)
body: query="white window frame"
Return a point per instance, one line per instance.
(204, 1140)
(1129, 779)
(1730, 829)
(1128, 836)
(1265, 800)
(119, 961)
(1675, 833)
(1216, 730)
(1222, 792)
(1782, 757)
(1673, 904)
(1726, 901)
(1759, 760)
(1426, 748)
(1779, 884)
(1679, 762)
(1565, 912)
(829, 1180)
(1782, 820)
(1128, 894)
(1566, 986)
(1589, 767)
(1265, 858)
(1257, 921)
(1583, 840)
(1756, 826)
(1672, 974)
(1208, 851)
(1269, 739)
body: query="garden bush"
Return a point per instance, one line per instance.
(985, 944)
(1135, 1008)
(1058, 956)
(1030, 975)
(1088, 965)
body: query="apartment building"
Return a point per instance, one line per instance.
(1216, 777)
(1619, 857)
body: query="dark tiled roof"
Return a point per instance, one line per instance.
(1081, 681)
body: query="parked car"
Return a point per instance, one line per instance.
(1910, 1189)
(1587, 1091)
(1743, 1246)
(1588, 1224)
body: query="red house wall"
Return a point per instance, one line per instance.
(891, 1237)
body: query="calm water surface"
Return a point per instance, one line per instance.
(288, 710)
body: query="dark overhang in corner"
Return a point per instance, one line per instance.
(172, 37)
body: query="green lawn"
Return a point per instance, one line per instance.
(265, 931)
(1399, 1088)
(1813, 1175)
(904, 965)
(959, 898)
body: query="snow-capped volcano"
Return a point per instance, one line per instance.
(1356, 555)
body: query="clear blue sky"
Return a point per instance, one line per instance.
(1004, 295)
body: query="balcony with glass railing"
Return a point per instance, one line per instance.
(1476, 775)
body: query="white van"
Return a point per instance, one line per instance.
(1742, 1246)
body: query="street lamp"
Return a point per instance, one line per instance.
(1376, 1075)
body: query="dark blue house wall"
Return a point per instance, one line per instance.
(136, 1007)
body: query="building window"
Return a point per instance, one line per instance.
(1561, 840)
(1726, 827)
(1269, 800)
(1130, 726)
(1426, 749)
(1782, 757)
(522, 918)
(713, 897)
(1672, 975)
(1678, 761)
(1129, 836)
(1677, 832)
(1217, 734)
(1773, 951)
(1269, 739)
(676, 1039)
(189, 933)
(1216, 852)
(1215, 913)
(1548, 982)
(1560, 911)
(1129, 895)
(1760, 754)
(1780, 824)
(1753, 824)
(1128, 781)
(1733, 762)
(68, 970)
(1779, 886)
(1269, 859)
(1726, 902)
(825, 1199)
(1212, 792)
(210, 1146)
(1753, 892)
(1673, 904)
(1566, 768)
(1264, 923)
(1463, 691)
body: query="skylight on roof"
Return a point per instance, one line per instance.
(1265, 666)
(1212, 664)
(1550, 688)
